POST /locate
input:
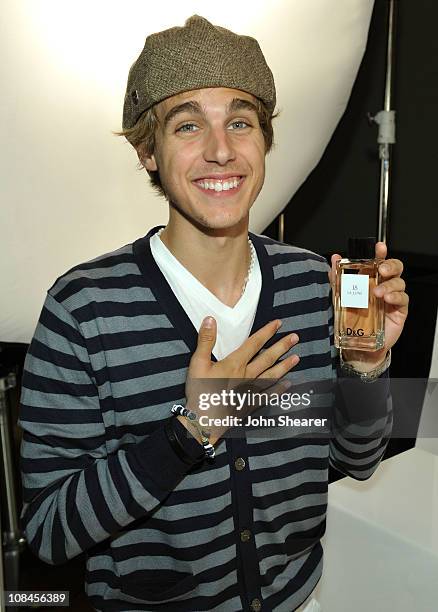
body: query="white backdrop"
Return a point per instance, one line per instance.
(70, 188)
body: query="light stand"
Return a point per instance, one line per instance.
(12, 540)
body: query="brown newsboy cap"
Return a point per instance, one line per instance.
(195, 56)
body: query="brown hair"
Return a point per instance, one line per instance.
(142, 136)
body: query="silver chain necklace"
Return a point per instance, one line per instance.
(251, 262)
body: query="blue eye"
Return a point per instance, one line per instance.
(186, 125)
(241, 123)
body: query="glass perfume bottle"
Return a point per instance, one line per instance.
(359, 314)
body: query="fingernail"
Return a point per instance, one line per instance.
(384, 269)
(207, 322)
(279, 324)
(294, 338)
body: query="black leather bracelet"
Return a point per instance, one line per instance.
(175, 443)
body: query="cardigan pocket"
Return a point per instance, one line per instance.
(157, 586)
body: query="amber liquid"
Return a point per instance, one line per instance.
(359, 328)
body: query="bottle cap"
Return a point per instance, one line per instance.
(361, 248)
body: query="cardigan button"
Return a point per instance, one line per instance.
(245, 535)
(240, 464)
(256, 605)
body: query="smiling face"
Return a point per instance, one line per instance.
(210, 154)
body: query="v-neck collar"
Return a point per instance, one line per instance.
(156, 281)
(229, 313)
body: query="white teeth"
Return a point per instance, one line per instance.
(219, 185)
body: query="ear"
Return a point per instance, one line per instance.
(148, 161)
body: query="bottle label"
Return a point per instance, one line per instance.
(354, 290)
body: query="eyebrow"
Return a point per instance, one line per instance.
(191, 106)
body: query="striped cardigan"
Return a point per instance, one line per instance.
(109, 357)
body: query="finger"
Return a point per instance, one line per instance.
(332, 272)
(254, 343)
(391, 267)
(271, 385)
(394, 284)
(397, 298)
(381, 250)
(271, 355)
(206, 340)
(281, 368)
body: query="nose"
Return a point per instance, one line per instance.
(218, 146)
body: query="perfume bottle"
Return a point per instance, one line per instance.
(359, 314)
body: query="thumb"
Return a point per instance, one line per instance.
(206, 339)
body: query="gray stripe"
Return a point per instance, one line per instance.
(297, 503)
(133, 386)
(59, 401)
(283, 457)
(126, 295)
(274, 249)
(31, 450)
(39, 480)
(149, 562)
(72, 547)
(59, 311)
(54, 372)
(292, 602)
(113, 501)
(74, 431)
(308, 320)
(115, 271)
(45, 550)
(354, 448)
(72, 274)
(292, 268)
(292, 528)
(144, 352)
(193, 509)
(337, 454)
(50, 339)
(118, 325)
(289, 482)
(86, 511)
(177, 540)
(101, 562)
(204, 479)
(146, 562)
(35, 521)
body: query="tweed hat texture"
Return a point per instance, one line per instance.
(197, 55)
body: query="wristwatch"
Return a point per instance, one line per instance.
(370, 376)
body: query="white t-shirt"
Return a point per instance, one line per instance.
(233, 324)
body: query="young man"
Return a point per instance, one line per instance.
(121, 339)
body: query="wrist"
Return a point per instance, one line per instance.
(363, 361)
(365, 375)
(190, 428)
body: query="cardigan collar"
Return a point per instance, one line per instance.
(154, 279)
